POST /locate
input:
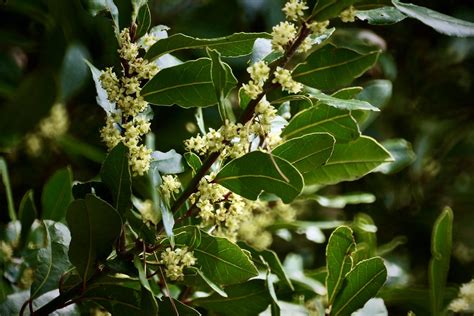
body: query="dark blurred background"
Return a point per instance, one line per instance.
(42, 43)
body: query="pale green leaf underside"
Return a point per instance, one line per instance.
(344, 104)
(235, 45)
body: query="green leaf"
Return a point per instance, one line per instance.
(442, 23)
(193, 161)
(248, 298)
(115, 173)
(143, 21)
(323, 119)
(187, 85)
(376, 92)
(257, 171)
(271, 258)
(51, 261)
(328, 9)
(381, 16)
(365, 230)
(95, 225)
(347, 93)
(198, 275)
(96, 6)
(361, 283)
(222, 261)
(27, 216)
(350, 162)
(338, 260)
(219, 74)
(331, 67)
(73, 71)
(168, 308)
(341, 103)
(8, 189)
(137, 262)
(56, 195)
(402, 154)
(235, 45)
(307, 153)
(441, 244)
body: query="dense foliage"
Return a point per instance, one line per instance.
(212, 175)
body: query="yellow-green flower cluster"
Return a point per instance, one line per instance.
(283, 77)
(171, 185)
(259, 73)
(175, 260)
(348, 15)
(128, 124)
(294, 9)
(282, 35)
(219, 208)
(254, 230)
(49, 128)
(147, 212)
(465, 301)
(234, 139)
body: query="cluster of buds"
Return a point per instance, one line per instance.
(465, 301)
(130, 122)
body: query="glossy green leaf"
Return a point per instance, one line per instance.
(347, 93)
(115, 173)
(248, 298)
(95, 225)
(441, 244)
(377, 92)
(56, 195)
(27, 216)
(402, 154)
(442, 23)
(118, 298)
(51, 261)
(338, 260)
(327, 9)
(143, 21)
(193, 161)
(361, 284)
(197, 274)
(235, 45)
(187, 85)
(323, 119)
(350, 162)
(219, 74)
(96, 6)
(8, 189)
(306, 153)
(222, 261)
(381, 16)
(256, 172)
(341, 103)
(137, 262)
(331, 67)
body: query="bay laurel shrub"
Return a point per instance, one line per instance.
(164, 233)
